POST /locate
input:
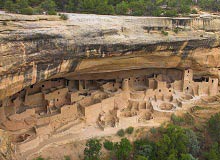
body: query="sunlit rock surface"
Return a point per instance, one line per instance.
(36, 48)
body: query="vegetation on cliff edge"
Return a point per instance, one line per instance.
(119, 7)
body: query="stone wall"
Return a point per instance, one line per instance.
(92, 112)
(34, 100)
(59, 96)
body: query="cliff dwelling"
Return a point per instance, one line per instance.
(51, 107)
(92, 75)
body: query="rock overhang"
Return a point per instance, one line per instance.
(37, 48)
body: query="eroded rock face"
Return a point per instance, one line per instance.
(36, 48)
(6, 147)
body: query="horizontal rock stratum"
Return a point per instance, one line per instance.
(36, 48)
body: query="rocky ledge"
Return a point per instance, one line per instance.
(36, 48)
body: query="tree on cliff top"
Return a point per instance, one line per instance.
(9, 6)
(49, 6)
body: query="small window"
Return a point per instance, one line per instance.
(212, 81)
(31, 86)
(188, 71)
(159, 90)
(58, 92)
(113, 85)
(169, 90)
(187, 88)
(43, 86)
(129, 79)
(57, 100)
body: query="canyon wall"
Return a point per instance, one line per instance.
(36, 48)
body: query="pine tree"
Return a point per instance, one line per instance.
(70, 6)
(9, 6)
(122, 8)
(49, 6)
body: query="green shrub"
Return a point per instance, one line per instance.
(121, 133)
(27, 11)
(140, 158)
(130, 130)
(214, 152)
(188, 118)
(198, 108)
(193, 142)
(137, 8)
(153, 130)
(104, 8)
(177, 120)
(108, 145)
(9, 6)
(187, 157)
(93, 149)
(144, 148)
(164, 33)
(194, 11)
(184, 9)
(67, 158)
(122, 149)
(48, 6)
(171, 13)
(39, 158)
(176, 30)
(173, 142)
(38, 10)
(63, 16)
(213, 127)
(122, 8)
(52, 12)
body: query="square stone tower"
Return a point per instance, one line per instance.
(187, 80)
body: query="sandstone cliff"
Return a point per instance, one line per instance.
(35, 48)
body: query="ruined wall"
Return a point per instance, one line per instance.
(22, 116)
(92, 112)
(213, 86)
(208, 24)
(69, 111)
(34, 100)
(108, 104)
(59, 96)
